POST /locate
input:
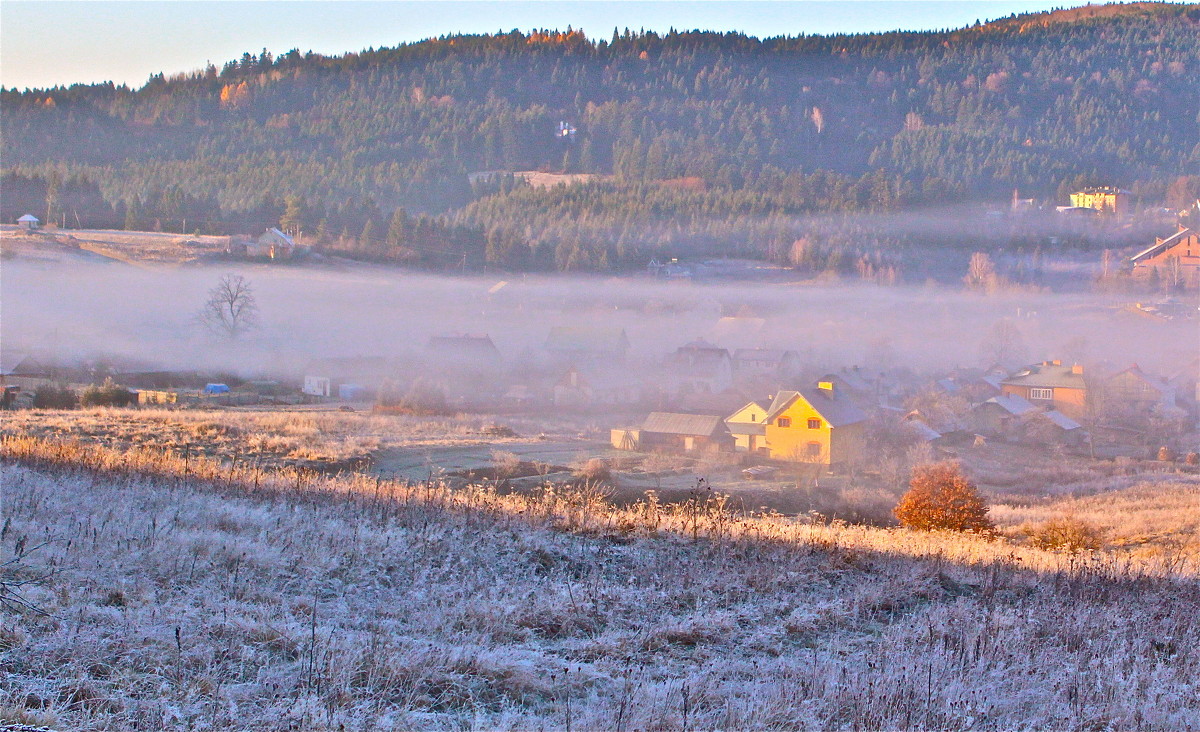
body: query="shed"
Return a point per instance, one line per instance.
(29, 222)
(685, 432)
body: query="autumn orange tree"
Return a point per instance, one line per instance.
(941, 497)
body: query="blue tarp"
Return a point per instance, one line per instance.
(216, 389)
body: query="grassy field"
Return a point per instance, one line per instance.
(143, 592)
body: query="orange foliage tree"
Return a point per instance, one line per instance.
(941, 497)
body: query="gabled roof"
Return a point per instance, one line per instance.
(584, 339)
(1011, 403)
(1162, 386)
(922, 430)
(773, 356)
(281, 236)
(464, 346)
(15, 363)
(1047, 374)
(696, 425)
(756, 409)
(343, 367)
(837, 410)
(1162, 246)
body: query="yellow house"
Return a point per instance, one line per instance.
(748, 427)
(1104, 199)
(818, 426)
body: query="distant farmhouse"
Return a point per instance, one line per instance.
(700, 367)
(29, 222)
(1105, 199)
(271, 244)
(1050, 384)
(1174, 260)
(579, 345)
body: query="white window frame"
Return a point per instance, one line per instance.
(1047, 394)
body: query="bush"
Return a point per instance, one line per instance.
(1068, 534)
(1166, 454)
(1193, 458)
(594, 470)
(941, 497)
(54, 397)
(107, 394)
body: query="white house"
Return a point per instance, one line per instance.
(272, 244)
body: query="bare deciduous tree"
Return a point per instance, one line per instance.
(231, 309)
(981, 273)
(1003, 345)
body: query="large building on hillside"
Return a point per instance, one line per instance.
(1105, 199)
(1174, 260)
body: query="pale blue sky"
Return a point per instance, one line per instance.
(49, 42)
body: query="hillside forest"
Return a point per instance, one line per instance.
(800, 150)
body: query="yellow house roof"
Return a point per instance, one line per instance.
(836, 409)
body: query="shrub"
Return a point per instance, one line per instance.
(1193, 458)
(1068, 534)
(1166, 454)
(107, 394)
(54, 397)
(941, 497)
(594, 471)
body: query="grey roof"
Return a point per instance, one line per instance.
(27, 217)
(922, 430)
(772, 355)
(746, 428)
(1011, 403)
(587, 339)
(1047, 375)
(15, 363)
(670, 423)
(837, 410)
(1162, 246)
(464, 346)
(1061, 420)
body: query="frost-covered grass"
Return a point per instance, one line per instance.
(284, 599)
(279, 436)
(1155, 517)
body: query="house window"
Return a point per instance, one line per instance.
(785, 421)
(814, 449)
(1041, 393)
(814, 424)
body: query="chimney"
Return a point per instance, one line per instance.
(1077, 368)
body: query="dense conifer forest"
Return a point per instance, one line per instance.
(693, 142)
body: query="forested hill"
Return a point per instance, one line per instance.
(712, 139)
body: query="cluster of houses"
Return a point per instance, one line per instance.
(831, 423)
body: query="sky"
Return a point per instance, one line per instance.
(44, 43)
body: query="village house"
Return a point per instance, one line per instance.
(578, 345)
(819, 426)
(748, 426)
(1174, 261)
(468, 354)
(699, 367)
(1001, 415)
(671, 432)
(596, 385)
(1050, 384)
(766, 363)
(347, 379)
(272, 244)
(1134, 392)
(29, 222)
(21, 372)
(1105, 199)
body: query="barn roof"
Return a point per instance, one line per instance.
(464, 346)
(837, 409)
(670, 423)
(1061, 420)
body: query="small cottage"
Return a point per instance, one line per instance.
(29, 222)
(691, 433)
(272, 244)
